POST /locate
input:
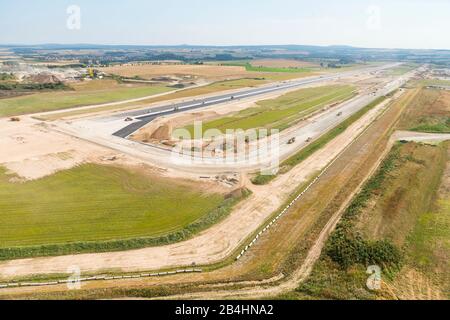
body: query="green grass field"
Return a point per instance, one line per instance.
(97, 203)
(402, 69)
(50, 101)
(282, 112)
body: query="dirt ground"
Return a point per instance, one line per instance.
(31, 151)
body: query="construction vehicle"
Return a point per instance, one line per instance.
(91, 73)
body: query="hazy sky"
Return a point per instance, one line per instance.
(377, 23)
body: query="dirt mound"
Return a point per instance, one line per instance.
(161, 128)
(237, 193)
(162, 133)
(44, 78)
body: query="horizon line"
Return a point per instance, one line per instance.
(213, 45)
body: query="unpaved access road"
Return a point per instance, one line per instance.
(421, 136)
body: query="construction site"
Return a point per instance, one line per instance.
(224, 159)
(225, 193)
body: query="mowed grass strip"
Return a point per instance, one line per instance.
(281, 112)
(97, 203)
(50, 101)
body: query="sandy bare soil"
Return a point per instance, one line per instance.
(213, 244)
(31, 151)
(421, 136)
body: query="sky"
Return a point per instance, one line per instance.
(419, 24)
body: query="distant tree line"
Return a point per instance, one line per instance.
(33, 86)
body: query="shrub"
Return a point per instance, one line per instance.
(261, 179)
(347, 248)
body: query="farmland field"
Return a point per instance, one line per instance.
(89, 93)
(69, 206)
(282, 112)
(266, 68)
(210, 72)
(149, 71)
